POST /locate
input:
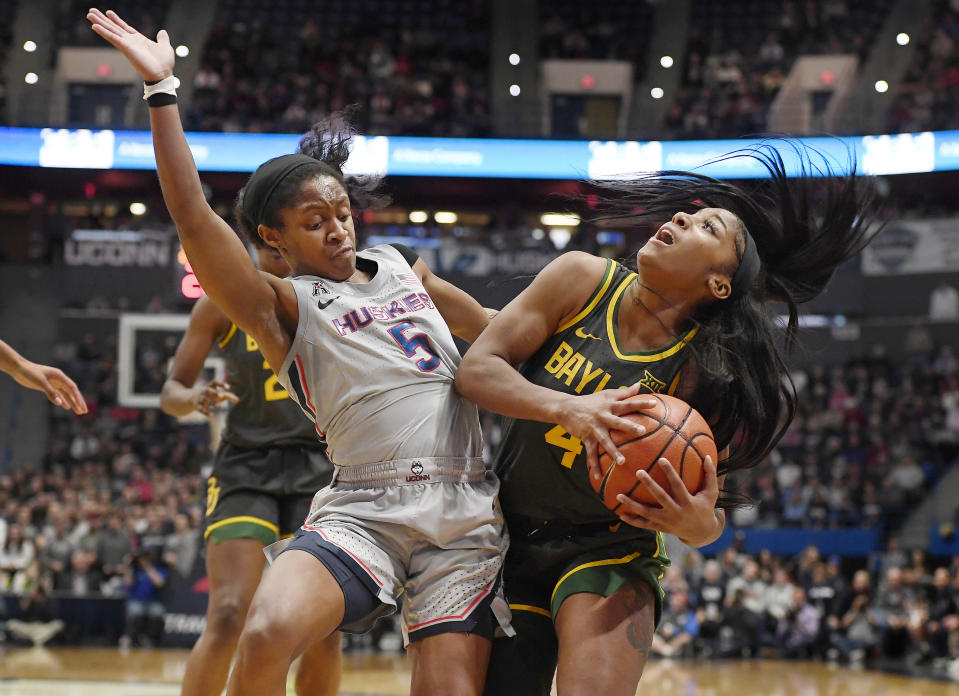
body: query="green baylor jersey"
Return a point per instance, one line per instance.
(542, 468)
(265, 416)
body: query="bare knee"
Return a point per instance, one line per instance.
(266, 638)
(259, 636)
(225, 617)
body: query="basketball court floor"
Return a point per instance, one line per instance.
(109, 672)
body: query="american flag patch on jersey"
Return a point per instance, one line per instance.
(410, 279)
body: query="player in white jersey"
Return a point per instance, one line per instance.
(363, 343)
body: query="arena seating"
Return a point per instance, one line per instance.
(72, 29)
(601, 30)
(928, 95)
(422, 77)
(738, 53)
(425, 68)
(6, 35)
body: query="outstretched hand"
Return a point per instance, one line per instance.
(60, 389)
(152, 59)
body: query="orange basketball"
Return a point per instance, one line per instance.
(674, 431)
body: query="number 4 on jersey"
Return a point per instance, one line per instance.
(560, 438)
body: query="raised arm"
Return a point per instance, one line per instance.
(219, 259)
(488, 375)
(60, 389)
(179, 396)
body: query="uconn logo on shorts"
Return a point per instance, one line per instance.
(416, 469)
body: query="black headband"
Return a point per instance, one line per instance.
(270, 174)
(748, 270)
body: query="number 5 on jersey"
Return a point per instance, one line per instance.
(411, 344)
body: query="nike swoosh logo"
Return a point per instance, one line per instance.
(615, 527)
(324, 305)
(582, 334)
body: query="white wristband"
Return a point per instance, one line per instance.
(165, 86)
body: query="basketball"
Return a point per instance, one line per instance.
(674, 431)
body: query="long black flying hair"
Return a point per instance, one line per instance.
(804, 227)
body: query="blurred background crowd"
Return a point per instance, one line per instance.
(116, 510)
(427, 67)
(101, 527)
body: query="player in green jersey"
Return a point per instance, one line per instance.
(566, 356)
(268, 466)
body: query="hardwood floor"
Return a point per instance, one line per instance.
(110, 672)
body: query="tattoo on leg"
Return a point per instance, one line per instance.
(639, 632)
(639, 629)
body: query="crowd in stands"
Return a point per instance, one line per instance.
(898, 607)
(928, 95)
(116, 510)
(601, 30)
(6, 38)
(421, 67)
(71, 27)
(867, 442)
(117, 515)
(739, 53)
(413, 67)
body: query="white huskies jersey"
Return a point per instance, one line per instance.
(372, 365)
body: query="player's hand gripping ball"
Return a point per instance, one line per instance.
(675, 431)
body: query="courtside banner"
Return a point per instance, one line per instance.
(913, 246)
(186, 602)
(903, 153)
